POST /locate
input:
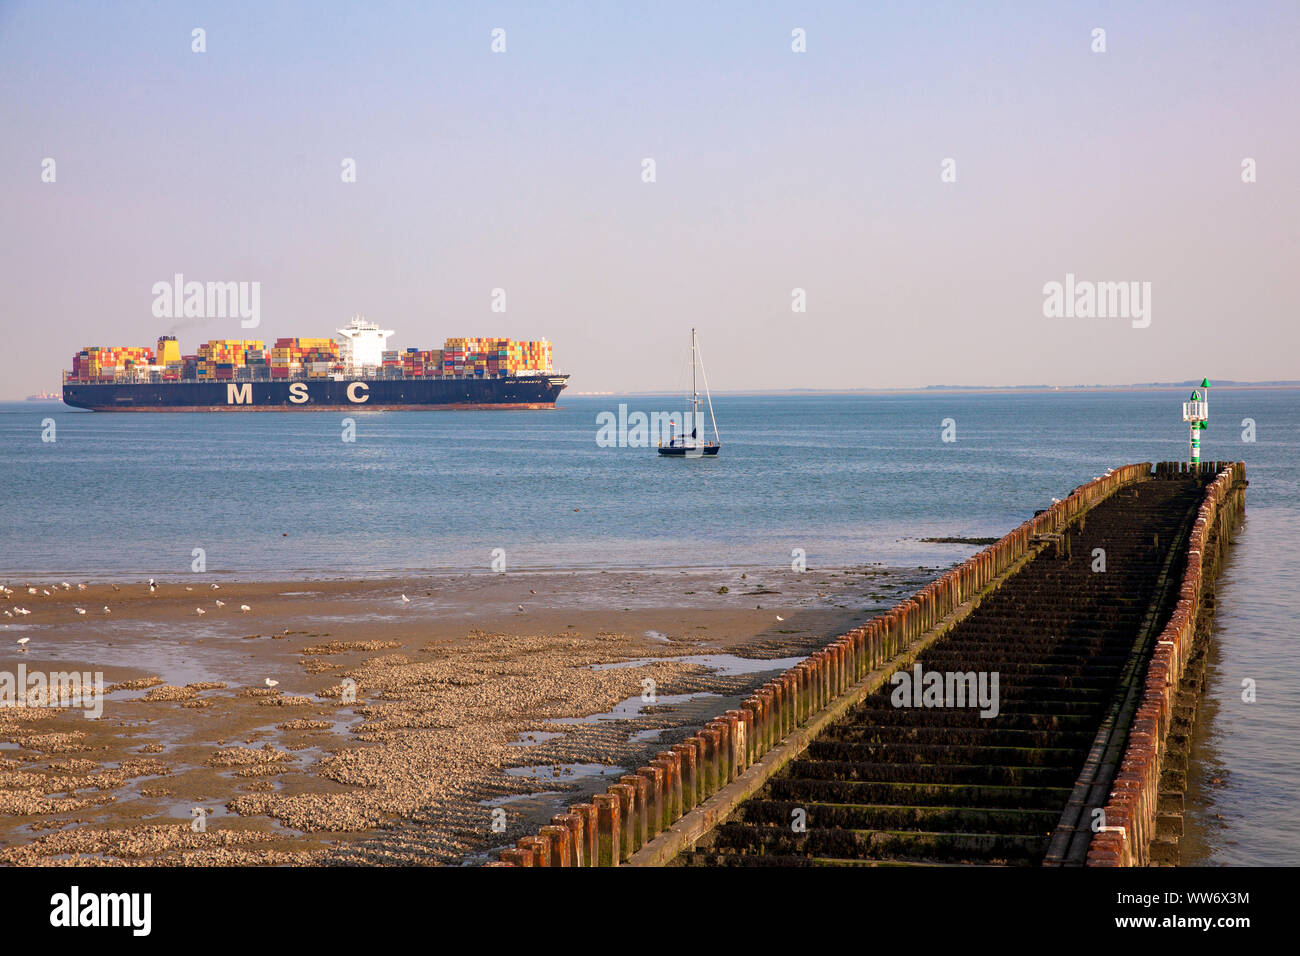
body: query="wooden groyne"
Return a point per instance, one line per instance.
(822, 765)
(1148, 788)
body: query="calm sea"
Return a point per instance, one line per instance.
(847, 479)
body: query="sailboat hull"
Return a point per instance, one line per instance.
(708, 451)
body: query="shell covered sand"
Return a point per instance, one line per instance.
(388, 736)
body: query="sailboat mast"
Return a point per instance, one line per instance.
(695, 393)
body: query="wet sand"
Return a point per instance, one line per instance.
(473, 721)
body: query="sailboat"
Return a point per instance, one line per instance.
(693, 445)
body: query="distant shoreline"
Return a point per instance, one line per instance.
(979, 389)
(916, 390)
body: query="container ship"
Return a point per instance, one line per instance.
(351, 371)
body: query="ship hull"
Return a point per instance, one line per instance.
(318, 395)
(677, 451)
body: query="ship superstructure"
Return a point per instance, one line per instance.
(362, 345)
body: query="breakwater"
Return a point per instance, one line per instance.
(818, 765)
(1143, 817)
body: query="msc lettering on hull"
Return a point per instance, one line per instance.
(358, 393)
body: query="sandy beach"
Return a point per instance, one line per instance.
(426, 730)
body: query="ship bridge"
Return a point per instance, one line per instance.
(362, 343)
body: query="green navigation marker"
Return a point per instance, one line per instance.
(1196, 412)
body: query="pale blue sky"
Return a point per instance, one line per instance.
(775, 170)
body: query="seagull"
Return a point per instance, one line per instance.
(244, 608)
(66, 586)
(81, 610)
(31, 590)
(152, 588)
(9, 613)
(188, 588)
(521, 607)
(200, 610)
(216, 587)
(531, 591)
(405, 599)
(221, 604)
(81, 587)
(780, 618)
(151, 582)
(45, 591)
(22, 643)
(272, 683)
(106, 610)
